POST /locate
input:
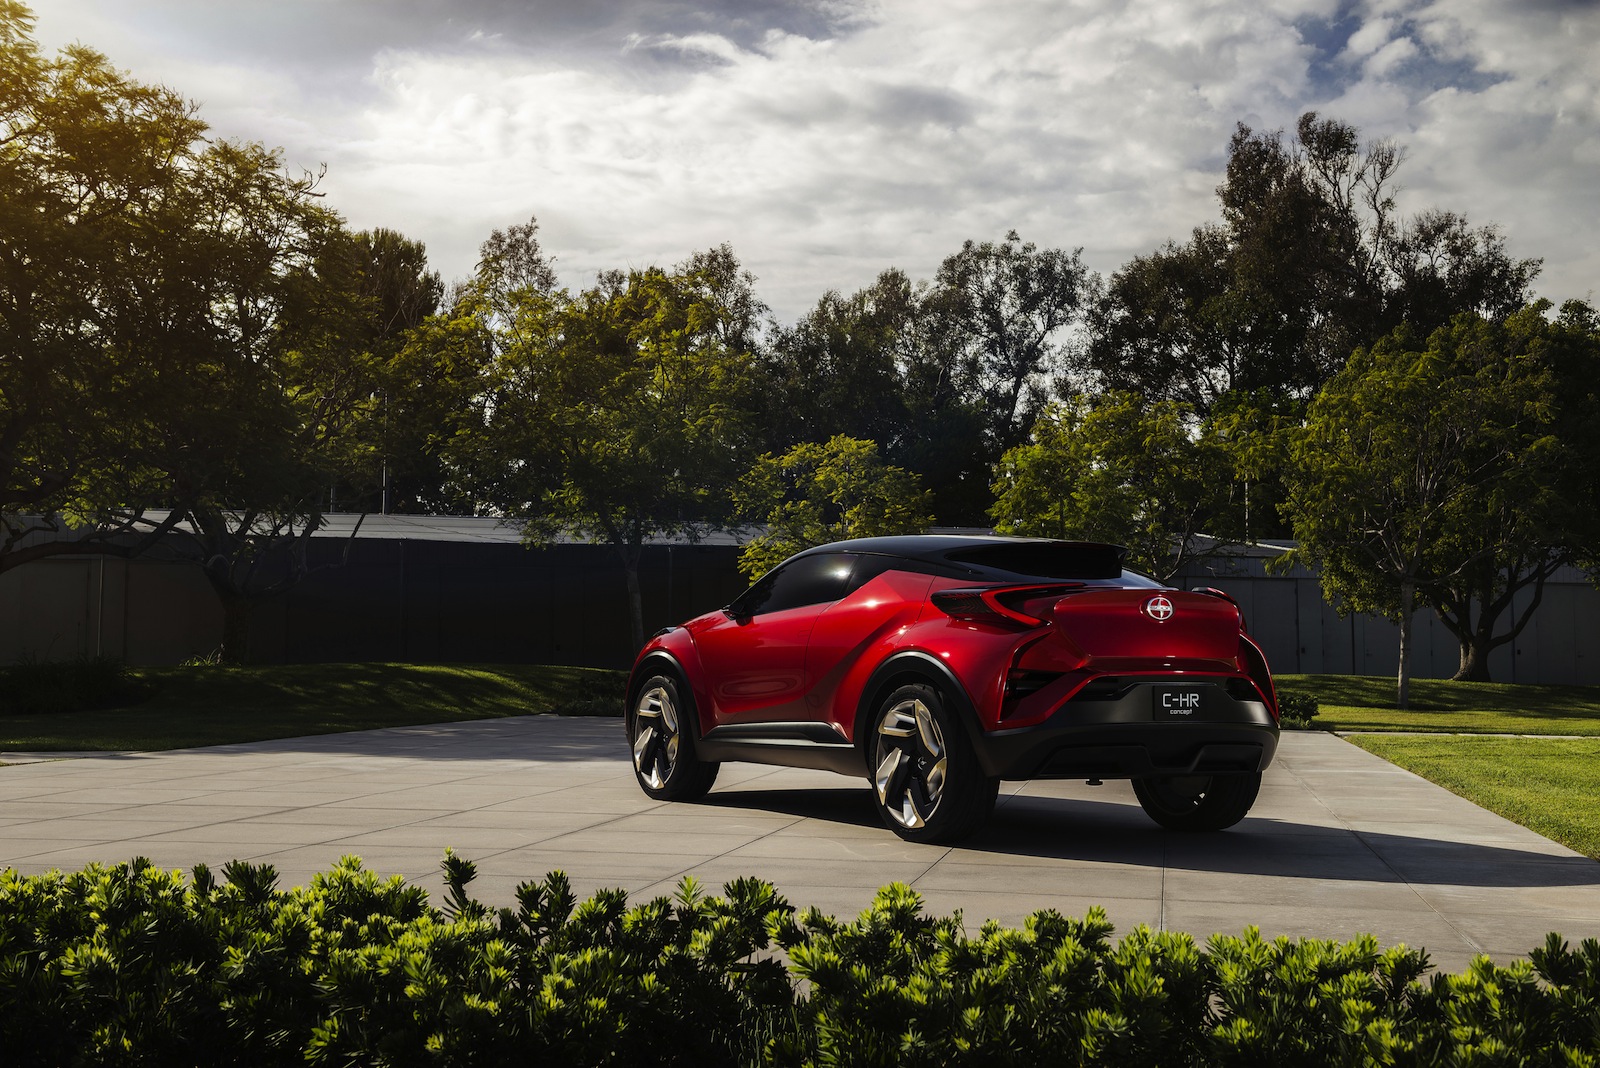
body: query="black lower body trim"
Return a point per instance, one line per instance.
(789, 744)
(1122, 738)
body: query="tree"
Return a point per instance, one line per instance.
(94, 173)
(1451, 472)
(183, 333)
(1376, 471)
(1439, 267)
(617, 413)
(835, 371)
(1533, 513)
(881, 365)
(1167, 326)
(286, 387)
(1309, 262)
(1005, 306)
(821, 492)
(424, 375)
(1118, 469)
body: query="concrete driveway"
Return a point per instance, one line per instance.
(1339, 843)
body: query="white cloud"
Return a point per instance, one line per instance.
(828, 141)
(1386, 60)
(1370, 37)
(824, 161)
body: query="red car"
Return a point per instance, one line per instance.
(937, 666)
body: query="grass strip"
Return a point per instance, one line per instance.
(1546, 784)
(218, 705)
(1366, 703)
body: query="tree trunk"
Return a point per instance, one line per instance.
(1408, 591)
(1474, 665)
(236, 612)
(1475, 637)
(630, 569)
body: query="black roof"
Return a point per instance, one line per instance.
(932, 546)
(993, 555)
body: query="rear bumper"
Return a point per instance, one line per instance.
(1122, 738)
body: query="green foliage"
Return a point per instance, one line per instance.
(817, 493)
(617, 413)
(50, 687)
(1316, 1002)
(1454, 472)
(185, 327)
(129, 964)
(1116, 468)
(898, 987)
(944, 375)
(1308, 262)
(1004, 306)
(1296, 709)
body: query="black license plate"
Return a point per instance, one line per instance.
(1179, 702)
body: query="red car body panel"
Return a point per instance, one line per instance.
(1054, 674)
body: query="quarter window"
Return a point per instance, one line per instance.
(810, 580)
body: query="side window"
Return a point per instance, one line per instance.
(810, 580)
(869, 567)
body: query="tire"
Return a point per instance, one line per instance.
(661, 735)
(926, 780)
(1198, 802)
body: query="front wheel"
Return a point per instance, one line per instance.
(925, 777)
(1198, 802)
(662, 736)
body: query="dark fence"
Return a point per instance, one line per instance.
(452, 592)
(421, 601)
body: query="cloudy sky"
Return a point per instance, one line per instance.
(828, 139)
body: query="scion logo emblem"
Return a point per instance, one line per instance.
(1158, 608)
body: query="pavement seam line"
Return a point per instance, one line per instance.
(681, 872)
(1409, 885)
(1166, 840)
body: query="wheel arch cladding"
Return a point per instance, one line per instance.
(663, 662)
(911, 668)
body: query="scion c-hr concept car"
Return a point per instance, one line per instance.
(937, 666)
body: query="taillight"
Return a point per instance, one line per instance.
(1254, 663)
(1021, 683)
(994, 604)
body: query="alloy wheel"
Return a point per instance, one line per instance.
(656, 736)
(911, 763)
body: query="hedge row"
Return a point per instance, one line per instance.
(130, 964)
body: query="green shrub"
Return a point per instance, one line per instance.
(1297, 710)
(131, 965)
(50, 686)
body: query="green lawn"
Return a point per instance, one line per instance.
(215, 705)
(1547, 784)
(1366, 703)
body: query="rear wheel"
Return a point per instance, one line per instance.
(662, 735)
(925, 778)
(1198, 802)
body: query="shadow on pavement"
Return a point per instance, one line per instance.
(1114, 833)
(533, 738)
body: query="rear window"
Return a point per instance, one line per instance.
(1063, 560)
